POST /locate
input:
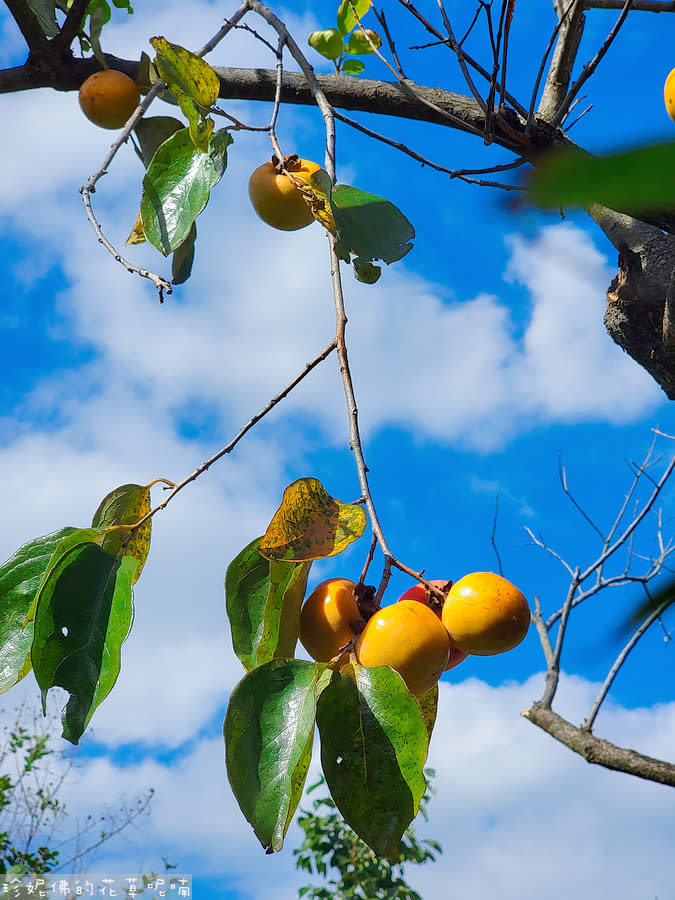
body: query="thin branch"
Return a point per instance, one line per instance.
(472, 62)
(459, 53)
(598, 751)
(462, 174)
(655, 6)
(633, 525)
(620, 660)
(71, 25)
(89, 188)
(542, 631)
(228, 448)
(589, 68)
(571, 22)
(392, 46)
(562, 474)
(553, 673)
(540, 73)
(493, 536)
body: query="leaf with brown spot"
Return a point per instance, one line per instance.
(310, 524)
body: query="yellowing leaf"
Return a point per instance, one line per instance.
(310, 524)
(193, 83)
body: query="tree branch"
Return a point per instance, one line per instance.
(28, 24)
(598, 751)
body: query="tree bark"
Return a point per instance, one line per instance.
(598, 751)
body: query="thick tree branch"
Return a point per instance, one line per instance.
(28, 24)
(572, 21)
(638, 5)
(598, 751)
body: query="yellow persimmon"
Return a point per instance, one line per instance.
(485, 614)
(410, 638)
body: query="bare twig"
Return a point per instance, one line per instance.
(228, 448)
(590, 67)
(638, 5)
(472, 62)
(493, 536)
(390, 41)
(459, 53)
(162, 284)
(562, 474)
(619, 661)
(462, 174)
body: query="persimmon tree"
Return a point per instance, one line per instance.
(66, 598)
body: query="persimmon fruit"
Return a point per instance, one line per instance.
(108, 98)
(276, 199)
(409, 637)
(418, 593)
(485, 614)
(329, 618)
(669, 94)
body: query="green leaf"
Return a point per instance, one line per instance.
(125, 505)
(45, 13)
(152, 131)
(632, 181)
(177, 186)
(353, 67)
(345, 17)
(20, 578)
(268, 729)
(84, 613)
(358, 42)
(193, 83)
(373, 748)
(263, 600)
(310, 524)
(365, 271)
(429, 706)
(99, 15)
(369, 226)
(183, 258)
(327, 42)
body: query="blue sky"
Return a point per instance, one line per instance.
(479, 361)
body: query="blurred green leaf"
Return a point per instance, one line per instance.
(327, 42)
(373, 749)
(634, 181)
(20, 578)
(352, 67)
(346, 19)
(177, 186)
(268, 730)
(358, 42)
(655, 605)
(263, 600)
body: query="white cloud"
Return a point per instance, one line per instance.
(512, 807)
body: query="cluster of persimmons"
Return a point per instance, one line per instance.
(420, 636)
